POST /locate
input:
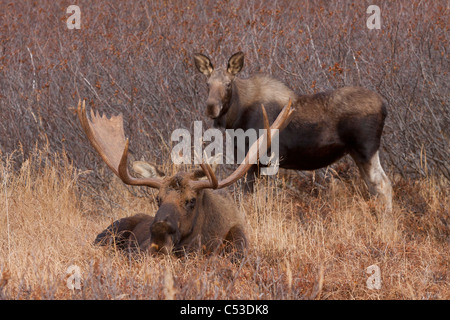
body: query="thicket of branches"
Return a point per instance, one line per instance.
(137, 59)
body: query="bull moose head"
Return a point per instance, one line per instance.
(189, 208)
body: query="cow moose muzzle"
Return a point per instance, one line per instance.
(213, 108)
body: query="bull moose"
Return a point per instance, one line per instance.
(193, 214)
(325, 126)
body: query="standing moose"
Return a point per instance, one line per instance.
(325, 126)
(192, 214)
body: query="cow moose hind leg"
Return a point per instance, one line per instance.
(375, 178)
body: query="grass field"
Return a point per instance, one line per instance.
(322, 237)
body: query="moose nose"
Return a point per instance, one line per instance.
(165, 220)
(213, 108)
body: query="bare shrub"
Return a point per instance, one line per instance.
(138, 60)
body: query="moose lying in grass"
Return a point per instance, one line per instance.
(193, 214)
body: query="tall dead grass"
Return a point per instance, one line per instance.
(48, 220)
(137, 59)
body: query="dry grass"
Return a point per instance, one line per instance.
(48, 222)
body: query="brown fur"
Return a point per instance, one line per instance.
(325, 126)
(212, 222)
(260, 88)
(264, 89)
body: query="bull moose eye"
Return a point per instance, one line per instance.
(190, 203)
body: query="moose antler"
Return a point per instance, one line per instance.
(108, 138)
(253, 153)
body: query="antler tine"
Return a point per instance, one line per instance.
(212, 179)
(206, 167)
(85, 124)
(108, 139)
(209, 173)
(253, 153)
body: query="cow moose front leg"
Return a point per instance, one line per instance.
(375, 178)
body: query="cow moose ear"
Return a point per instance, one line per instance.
(147, 170)
(235, 63)
(203, 64)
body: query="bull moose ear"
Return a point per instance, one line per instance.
(235, 63)
(203, 64)
(198, 174)
(147, 170)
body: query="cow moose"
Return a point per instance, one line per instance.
(193, 214)
(325, 126)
